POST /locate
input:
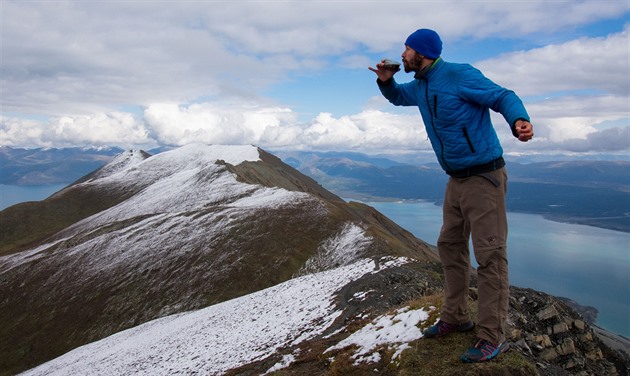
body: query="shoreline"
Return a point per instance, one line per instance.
(559, 218)
(615, 341)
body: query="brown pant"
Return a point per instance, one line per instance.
(475, 206)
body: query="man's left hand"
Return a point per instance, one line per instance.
(524, 130)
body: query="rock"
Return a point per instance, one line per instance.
(516, 334)
(557, 339)
(543, 341)
(595, 355)
(586, 337)
(567, 347)
(560, 328)
(547, 313)
(549, 355)
(579, 324)
(521, 344)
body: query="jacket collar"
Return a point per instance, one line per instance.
(424, 72)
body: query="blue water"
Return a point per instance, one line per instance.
(12, 194)
(587, 264)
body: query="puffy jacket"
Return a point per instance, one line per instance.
(454, 101)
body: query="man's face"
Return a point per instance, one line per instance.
(412, 61)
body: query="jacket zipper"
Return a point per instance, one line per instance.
(433, 114)
(470, 145)
(435, 106)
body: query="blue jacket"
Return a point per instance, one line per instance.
(454, 101)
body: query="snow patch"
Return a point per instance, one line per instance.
(395, 331)
(121, 162)
(232, 154)
(342, 249)
(286, 361)
(362, 295)
(213, 340)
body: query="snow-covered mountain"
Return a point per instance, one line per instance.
(146, 237)
(222, 260)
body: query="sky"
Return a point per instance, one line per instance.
(293, 75)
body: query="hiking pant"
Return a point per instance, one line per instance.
(475, 206)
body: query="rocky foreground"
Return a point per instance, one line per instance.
(557, 338)
(547, 336)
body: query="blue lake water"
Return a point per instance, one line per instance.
(587, 264)
(12, 194)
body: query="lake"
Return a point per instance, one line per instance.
(13, 194)
(587, 264)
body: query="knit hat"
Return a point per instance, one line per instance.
(425, 42)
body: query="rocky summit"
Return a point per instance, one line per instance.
(219, 260)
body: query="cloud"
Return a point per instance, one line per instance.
(574, 124)
(79, 57)
(575, 117)
(213, 123)
(198, 71)
(274, 127)
(368, 130)
(573, 88)
(584, 64)
(578, 130)
(116, 128)
(614, 141)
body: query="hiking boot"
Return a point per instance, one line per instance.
(484, 350)
(443, 328)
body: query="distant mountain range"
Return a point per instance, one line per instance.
(224, 260)
(595, 193)
(50, 166)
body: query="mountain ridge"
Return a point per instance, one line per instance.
(173, 232)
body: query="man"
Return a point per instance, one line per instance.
(454, 101)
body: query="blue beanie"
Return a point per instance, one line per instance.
(426, 42)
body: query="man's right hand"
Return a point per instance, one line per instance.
(382, 73)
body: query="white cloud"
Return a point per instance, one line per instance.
(78, 57)
(368, 130)
(564, 124)
(576, 117)
(116, 128)
(584, 83)
(220, 124)
(201, 71)
(585, 64)
(212, 123)
(21, 132)
(273, 127)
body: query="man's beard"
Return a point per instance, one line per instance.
(414, 65)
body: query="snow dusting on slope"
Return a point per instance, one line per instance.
(122, 161)
(339, 250)
(175, 184)
(237, 332)
(396, 329)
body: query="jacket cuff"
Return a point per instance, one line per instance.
(384, 83)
